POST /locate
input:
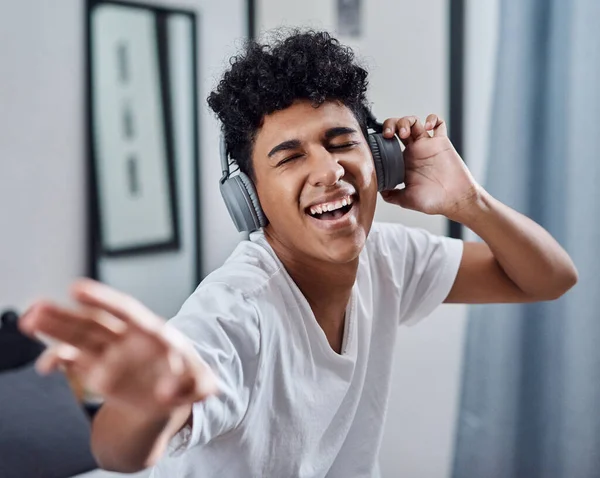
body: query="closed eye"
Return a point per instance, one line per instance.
(287, 160)
(343, 146)
(331, 146)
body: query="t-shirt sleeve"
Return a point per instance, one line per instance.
(422, 268)
(224, 329)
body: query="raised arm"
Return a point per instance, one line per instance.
(518, 262)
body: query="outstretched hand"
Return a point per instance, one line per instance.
(436, 179)
(119, 349)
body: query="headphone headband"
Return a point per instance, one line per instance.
(372, 121)
(224, 159)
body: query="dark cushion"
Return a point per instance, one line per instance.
(16, 349)
(44, 432)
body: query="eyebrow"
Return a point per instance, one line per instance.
(295, 143)
(338, 131)
(290, 144)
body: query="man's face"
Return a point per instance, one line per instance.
(316, 181)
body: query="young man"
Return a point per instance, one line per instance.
(279, 363)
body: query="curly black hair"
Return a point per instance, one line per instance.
(265, 78)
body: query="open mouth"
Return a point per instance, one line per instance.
(331, 210)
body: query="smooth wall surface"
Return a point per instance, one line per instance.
(43, 153)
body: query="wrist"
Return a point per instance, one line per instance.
(473, 208)
(153, 417)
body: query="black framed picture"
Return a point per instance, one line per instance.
(131, 128)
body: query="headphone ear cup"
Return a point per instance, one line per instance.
(242, 203)
(388, 159)
(259, 215)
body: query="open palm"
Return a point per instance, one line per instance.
(119, 349)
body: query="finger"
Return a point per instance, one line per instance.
(123, 306)
(397, 197)
(199, 381)
(441, 129)
(437, 125)
(404, 126)
(171, 389)
(188, 375)
(430, 122)
(415, 130)
(389, 127)
(76, 328)
(176, 364)
(200, 388)
(54, 357)
(390, 196)
(47, 362)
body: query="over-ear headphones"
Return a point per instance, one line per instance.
(240, 195)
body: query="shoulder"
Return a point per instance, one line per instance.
(387, 238)
(246, 280)
(411, 266)
(248, 271)
(403, 240)
(396, 250)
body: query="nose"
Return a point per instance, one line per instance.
(325, 170)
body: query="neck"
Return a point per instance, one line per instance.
(326, 286)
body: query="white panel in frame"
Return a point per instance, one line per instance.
(130, 139)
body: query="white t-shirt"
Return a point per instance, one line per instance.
(289, 405)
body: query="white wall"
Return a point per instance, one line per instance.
(405, 47)
(42, 155)
(42, 149)
(481, 44)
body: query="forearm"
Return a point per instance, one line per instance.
(525, 251)
(126, 442)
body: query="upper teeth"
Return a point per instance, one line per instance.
(331, 206)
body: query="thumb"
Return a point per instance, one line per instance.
(55, 357)
(394, 196)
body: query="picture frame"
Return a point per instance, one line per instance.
(132, 173)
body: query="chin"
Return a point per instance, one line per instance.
(344, 249)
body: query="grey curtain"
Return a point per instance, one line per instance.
(531, 387)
